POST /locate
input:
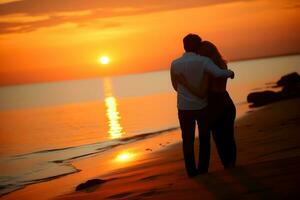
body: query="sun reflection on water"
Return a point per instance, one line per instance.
(125, 157)
(115, 128)
(112, 113)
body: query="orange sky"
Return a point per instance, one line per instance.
(62, 39)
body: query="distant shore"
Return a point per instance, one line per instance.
(264, 57)
(6, 84)
(268, 165)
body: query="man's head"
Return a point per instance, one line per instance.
(191, 43)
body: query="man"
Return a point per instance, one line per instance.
(192, 109)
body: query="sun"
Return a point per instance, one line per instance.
(104, 60)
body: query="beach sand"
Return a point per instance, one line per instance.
(268, 165)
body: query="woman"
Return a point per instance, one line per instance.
(221, 109)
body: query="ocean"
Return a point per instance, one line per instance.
(44, 127)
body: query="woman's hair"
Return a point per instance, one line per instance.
(208, 49)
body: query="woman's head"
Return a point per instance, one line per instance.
(208, 49)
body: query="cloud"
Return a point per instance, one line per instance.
(81, 11)
(22, 27)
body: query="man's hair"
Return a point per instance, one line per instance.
(192, 42)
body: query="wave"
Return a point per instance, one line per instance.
(50, 164)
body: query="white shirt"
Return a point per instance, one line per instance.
(193, 66)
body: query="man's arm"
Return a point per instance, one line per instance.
(217, 72)
(173, 79)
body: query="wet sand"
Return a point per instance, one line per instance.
(268, 165)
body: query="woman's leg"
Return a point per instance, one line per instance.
(226, 132)
(217, 105)
(204, 142)
(220, 141)
(230, 132)
(223, 132)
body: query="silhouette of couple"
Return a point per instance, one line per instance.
(199, 76)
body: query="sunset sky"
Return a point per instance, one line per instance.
(47, 40)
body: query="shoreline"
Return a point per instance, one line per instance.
(96, 164)
(152, 166)
(65, 165)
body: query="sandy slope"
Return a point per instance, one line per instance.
(268, 165)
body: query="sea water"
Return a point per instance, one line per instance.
(45, 126)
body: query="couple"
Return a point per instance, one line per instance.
(199, 77)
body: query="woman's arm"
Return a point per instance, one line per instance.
(200, 91)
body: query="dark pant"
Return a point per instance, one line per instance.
(187, 120)
(222, 115)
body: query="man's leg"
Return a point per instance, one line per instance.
(204, 142)
(187, 125)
